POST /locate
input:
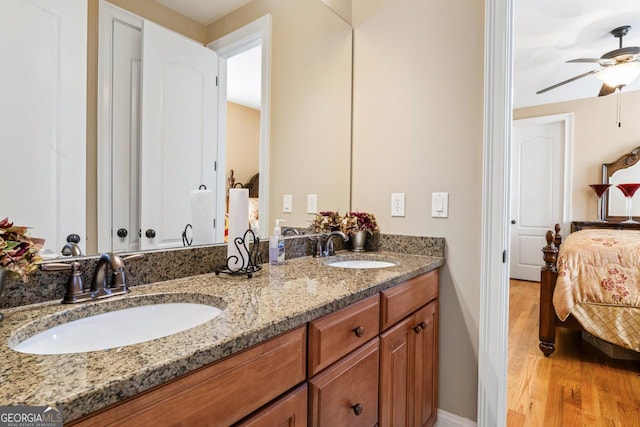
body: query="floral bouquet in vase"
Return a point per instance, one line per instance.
(357, 225)
(326, 222)
(18, 251)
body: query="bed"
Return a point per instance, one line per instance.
(591, 282)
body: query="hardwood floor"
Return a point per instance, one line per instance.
(576, 386)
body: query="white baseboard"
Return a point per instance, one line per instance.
(447, 419)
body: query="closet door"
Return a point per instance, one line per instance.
(43, 116)
(179, 128)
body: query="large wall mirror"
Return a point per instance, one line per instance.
(309, 125)
(625, 169)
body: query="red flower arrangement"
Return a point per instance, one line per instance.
(354, 222)
(18, 251)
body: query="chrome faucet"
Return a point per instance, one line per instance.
(290, 230)
(327, 249)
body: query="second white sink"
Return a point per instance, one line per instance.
(361, 263)
(118, 328)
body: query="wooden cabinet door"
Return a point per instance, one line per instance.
(346, 393)
(219, 394)
(288, 411)
(408, 370)
(425, 362)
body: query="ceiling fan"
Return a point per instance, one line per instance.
(619, 67)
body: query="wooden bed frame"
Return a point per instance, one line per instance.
(548, 318)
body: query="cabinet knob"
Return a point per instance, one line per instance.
(420, 327)
(122, 232)
(73, 238)
(150, 233)
(358, 408)
(359, 331)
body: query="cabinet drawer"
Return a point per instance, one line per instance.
(336, 334)
(346, 394)
(290, 410)
(398, 302)
(221, 393)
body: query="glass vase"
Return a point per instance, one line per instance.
(629, 190)
(600, 189)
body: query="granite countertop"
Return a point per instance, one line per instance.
(275, 300)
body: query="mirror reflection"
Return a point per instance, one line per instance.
(625, 169)
(309, 120)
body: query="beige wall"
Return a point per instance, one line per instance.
(597, 140)
(310, 104)
(243, 141)
(418, 129)
(341, 7)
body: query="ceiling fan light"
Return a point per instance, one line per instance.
(619, 75)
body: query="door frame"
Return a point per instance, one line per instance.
(494, 242)
(238, 41)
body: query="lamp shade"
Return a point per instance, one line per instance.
(619, 75)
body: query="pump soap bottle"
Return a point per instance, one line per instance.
(276, 245)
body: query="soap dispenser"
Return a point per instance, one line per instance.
(276, 245)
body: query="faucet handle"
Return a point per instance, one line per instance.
(75, 291)
(118, 281)
(132, 258)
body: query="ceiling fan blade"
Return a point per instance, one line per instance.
(588, 73)
(606, 90)
(586, 60)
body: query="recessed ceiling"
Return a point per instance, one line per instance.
(548, 33)
(204, 11)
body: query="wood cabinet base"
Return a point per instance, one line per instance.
(219, 394)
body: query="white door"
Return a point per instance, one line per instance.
(43, 117)
(179, 132)
(125, 126)
(538, 181)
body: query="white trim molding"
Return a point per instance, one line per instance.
(447, 419)
(494, 291)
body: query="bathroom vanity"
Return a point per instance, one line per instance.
(300, 343)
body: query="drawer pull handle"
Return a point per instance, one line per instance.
(420, 327)
(359, 331)
(358, 408)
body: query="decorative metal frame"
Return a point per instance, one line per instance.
(248, 251)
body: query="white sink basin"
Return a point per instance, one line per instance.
(361, 263)
(118, 328)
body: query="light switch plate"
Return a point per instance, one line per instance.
(397, 204)
(440, 205)
(287, 203)
(312, 203)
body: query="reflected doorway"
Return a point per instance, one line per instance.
(243, 111)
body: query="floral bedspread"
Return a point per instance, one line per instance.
(599, 283)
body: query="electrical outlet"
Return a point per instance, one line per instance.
(312, 203)
(287, 203)
(397, 204)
